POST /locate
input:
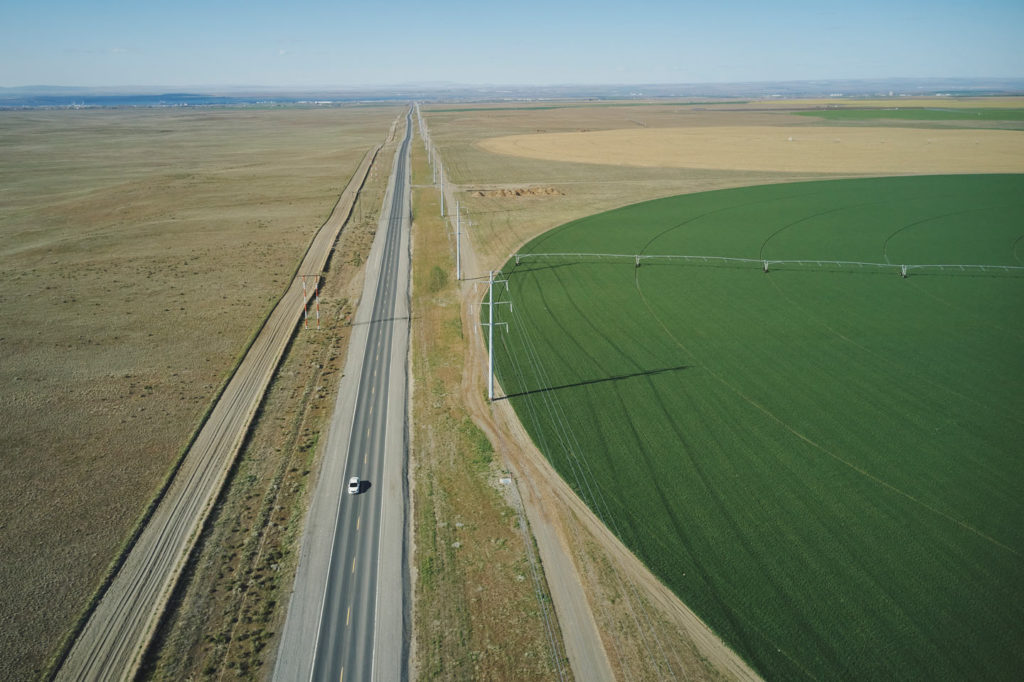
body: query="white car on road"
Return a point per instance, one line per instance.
(354, 485)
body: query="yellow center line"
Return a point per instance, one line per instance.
(340, 679)
(353, 564)
(357, 522)
(348, 615)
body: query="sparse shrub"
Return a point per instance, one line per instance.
(438, 279)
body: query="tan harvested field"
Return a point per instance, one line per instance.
(873, 150)
(140, 250)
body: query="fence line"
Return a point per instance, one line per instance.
(902, 268)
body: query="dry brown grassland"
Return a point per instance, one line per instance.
(139, 250)
(477, 614)
(498, 219)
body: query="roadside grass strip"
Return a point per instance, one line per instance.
(823, 462)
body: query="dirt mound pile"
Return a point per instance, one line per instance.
(520, 192)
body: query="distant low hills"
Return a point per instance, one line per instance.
(52, 96)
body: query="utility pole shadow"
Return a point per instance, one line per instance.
(620, 377)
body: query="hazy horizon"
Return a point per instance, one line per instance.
(322, 45)
(906, 81)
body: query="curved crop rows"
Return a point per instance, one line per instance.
(823, 463)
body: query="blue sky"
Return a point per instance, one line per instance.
(341, 43)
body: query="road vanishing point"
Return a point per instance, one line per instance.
(347, 617)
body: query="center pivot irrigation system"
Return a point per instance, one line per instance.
(903, 269)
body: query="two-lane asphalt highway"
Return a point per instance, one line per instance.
(345, 642)
(346, 616)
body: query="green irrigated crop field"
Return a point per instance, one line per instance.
(824, 462)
